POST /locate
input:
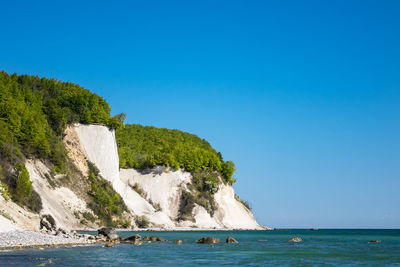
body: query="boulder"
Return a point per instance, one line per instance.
(296, 239)
(208, 240)
(112, 236)
(133, 239)
(231, 240)
(109, 245)
(47, 222)
(108, 232)
(160, 239)
(153, 238)
(101, 238)
(146, 238)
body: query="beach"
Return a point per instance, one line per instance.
(22, 239)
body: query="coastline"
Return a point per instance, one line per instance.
(174, 229)
(20, 239)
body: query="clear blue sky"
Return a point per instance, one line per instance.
(304, 96)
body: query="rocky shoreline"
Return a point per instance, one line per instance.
(27, 239)
(173, 229)
(24, 239)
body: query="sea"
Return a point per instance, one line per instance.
(323, 247)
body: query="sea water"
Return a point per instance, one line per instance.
(255, 248)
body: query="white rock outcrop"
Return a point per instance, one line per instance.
(14, 217)
(99, 144)
(6, 225)
(231, 213)
(59, 202)
(161, 190)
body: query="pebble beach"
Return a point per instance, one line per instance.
(20, 239)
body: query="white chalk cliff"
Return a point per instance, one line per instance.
(159, 201)
(162, 189)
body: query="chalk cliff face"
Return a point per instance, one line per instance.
(58, 201)
(155, 194)
(160, 188)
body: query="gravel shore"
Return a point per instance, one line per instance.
(15, 239)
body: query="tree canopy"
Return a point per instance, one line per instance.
(143, 147)
(35, 111)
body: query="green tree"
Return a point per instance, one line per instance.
(228, 168)
(23, 188)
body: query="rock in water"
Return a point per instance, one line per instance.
(105, 231)
(112, 236)
(231, 240)
(133, 239)
(374, 241)
(109, 245)
(160, 239)
(153, 238)
(178, 241)
(108, 232)
(208, 240)
(295, 239)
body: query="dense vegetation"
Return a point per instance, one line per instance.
(204, 186)
(33, 115)
(106, 203)
(143, 147)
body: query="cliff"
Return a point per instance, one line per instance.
(155, 195)
(59, 163)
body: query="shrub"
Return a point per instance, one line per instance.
(186, 206)
(23, 185)
(89, 216)
(50, 180)
(35, 202)
(105, 203)
(126, 224)
(245, 203)
(142, 221)
(157, 206)
(4, 191)
(137, 189)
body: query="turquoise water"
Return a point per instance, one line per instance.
(256, 248)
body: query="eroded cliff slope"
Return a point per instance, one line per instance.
(157, 193)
